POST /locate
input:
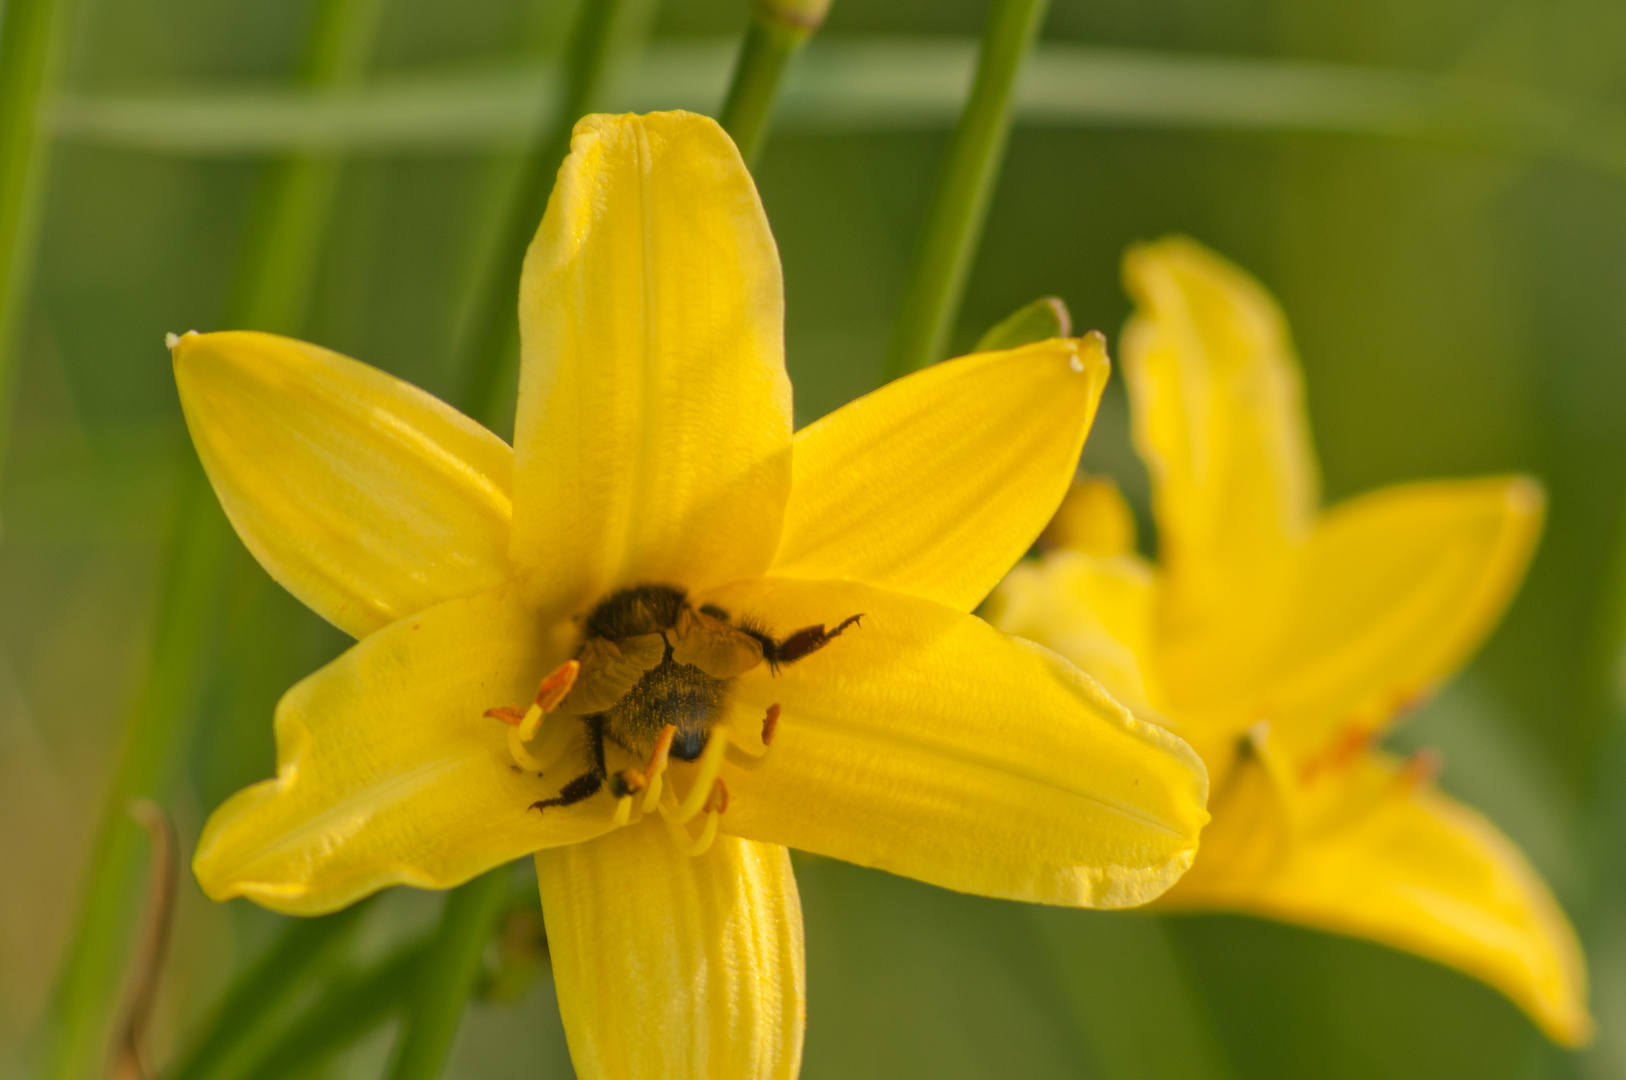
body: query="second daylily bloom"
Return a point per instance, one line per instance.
(1281, 641)
(679, 575)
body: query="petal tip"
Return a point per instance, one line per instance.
(173, 341)
(1526, 495)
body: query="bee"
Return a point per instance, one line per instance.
(650, 659)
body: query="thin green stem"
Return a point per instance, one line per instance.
(448, 976)
(276, 275)
(31, 33)
(959, 203)
(776, 33)
(284, 243)
(76, 1033)
(603, 29)
(244, 1027)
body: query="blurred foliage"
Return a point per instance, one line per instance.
(1458, 311)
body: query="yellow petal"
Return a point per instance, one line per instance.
(653, 436)
(1094, 518)
(927, 743)
(387, 773)
(1392, 859)
(1219, 418)
(675, 967)
(1097, 612)
(935, 484)
(364, 496)
(1392, 593)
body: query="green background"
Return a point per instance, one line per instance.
(1460, 308)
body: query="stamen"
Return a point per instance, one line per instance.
(657, 767)
(522, 727)
(530, 723)
(1342, 751)
(652, 794)
(710, 764)
(557, 685)
(1422, 767)
(516, 747)
(694, 846)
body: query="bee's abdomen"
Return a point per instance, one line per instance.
(678, 694)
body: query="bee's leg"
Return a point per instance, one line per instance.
(588, 783)
(809, 639)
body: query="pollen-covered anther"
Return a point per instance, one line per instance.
(522, 727)
(770, 724)
(557, 685)
(657, 767)
(1348, 745)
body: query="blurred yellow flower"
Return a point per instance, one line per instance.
(654, 467)
(1280, 641)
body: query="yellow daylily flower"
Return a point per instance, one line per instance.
(684, 579)
(1280, 641)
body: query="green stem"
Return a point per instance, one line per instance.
(243, 1029)
(959, 202)
(276, 276)
(603, 28)
(31, 32)
(346, 1012)
(159, 721)
(776, 33)
(282, 253)
(448, 975)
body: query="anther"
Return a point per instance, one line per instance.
(522, 727)
(1345, 747)
(1422, 767)
(657, 766)
(770, 724)
(557, 685)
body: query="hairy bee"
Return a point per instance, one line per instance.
(649, 659)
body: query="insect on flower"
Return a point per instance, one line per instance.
(652, 675)
(671, 577)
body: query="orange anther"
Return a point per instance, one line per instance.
(507, 714)
(1422, 767)
(663, 750)
(1342, 751)
(557, 685)
(770, 724)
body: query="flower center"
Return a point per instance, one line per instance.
(652, 678)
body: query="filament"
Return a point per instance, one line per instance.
(707, 769)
